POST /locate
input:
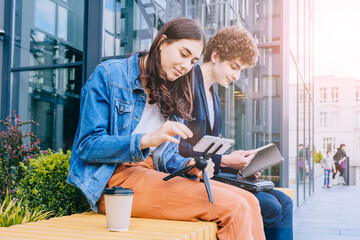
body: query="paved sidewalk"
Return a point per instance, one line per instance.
(329, 214)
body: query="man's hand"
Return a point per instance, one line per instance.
(238, 159)
(165, 132)
(209, 169)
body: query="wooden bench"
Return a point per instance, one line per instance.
(287, 191)
(93, 226)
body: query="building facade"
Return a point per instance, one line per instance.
(337, 119)
(50, 47)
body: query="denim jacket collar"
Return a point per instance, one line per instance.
(134, 70)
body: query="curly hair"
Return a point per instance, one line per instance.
(232, 43)
(172, 97)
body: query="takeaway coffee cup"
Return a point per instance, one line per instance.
(118, 203)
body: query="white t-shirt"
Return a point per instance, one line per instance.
(150, 120)
(211, 111)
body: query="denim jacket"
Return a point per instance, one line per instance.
(112, 103)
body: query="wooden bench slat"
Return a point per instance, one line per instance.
(146, 234)
(193, 232)
(10, 238)
(49, 233)
(210, 228)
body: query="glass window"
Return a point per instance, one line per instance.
(301, 94)
(307, 43)
(130, 26)
(311, 54)
(62, 23)
(357, 119)
(293, 123)
(293, 28)
(329, 145)
(41, 38)
(301, 36)
(335, 119)
(302, 160)
(334, 94)
(308, 148)
(323, 94)
(357, 93)
(323, 119)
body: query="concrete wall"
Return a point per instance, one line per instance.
(355, 175)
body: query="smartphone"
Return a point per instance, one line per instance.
(217, 143)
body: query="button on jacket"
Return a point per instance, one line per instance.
(112, 102)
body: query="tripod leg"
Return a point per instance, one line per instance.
(208, 186)
(184, 170)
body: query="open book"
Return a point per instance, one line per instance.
(266, 156)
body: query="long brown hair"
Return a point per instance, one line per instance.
(172, 97)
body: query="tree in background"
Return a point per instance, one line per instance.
(317, 156)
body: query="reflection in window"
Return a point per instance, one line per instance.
(47, 50)
(51, 97)
(48, 32)
(45, 16)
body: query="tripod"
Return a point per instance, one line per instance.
(200, 163)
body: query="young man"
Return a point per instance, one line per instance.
(231, 50)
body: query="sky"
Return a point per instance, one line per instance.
(337, 38)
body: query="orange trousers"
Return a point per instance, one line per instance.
(236, 211)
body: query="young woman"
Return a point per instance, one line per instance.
(129, 129)
(228, 52)
(339, 157)
(327, 163)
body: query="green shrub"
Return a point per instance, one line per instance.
(14, 211)
(45, 185)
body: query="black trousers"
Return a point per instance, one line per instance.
(338, 168)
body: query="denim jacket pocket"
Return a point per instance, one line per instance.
(122, 115)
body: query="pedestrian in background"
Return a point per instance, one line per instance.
(327, 163)
(339, 157)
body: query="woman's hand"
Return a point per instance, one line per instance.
(238, 159)
(257, 174)
(165, 132)
(209, 169)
